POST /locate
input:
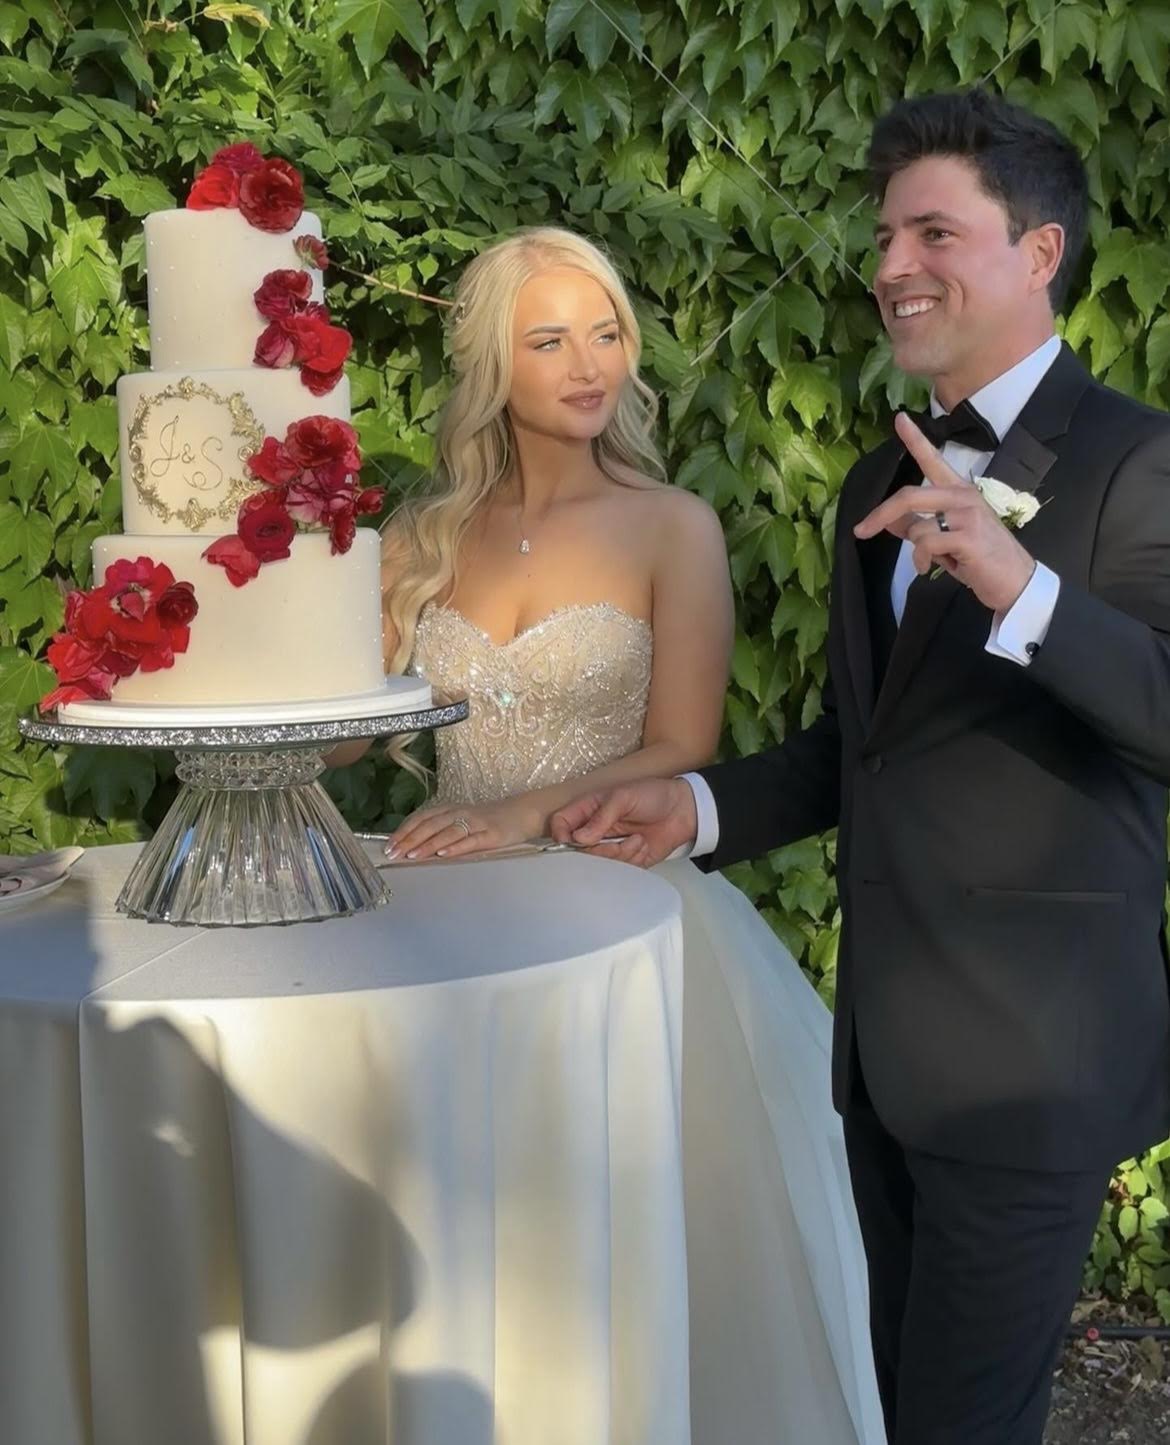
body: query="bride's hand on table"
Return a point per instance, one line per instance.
(449, 831)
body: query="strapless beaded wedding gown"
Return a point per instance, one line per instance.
(776, 1275)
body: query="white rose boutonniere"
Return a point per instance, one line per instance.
(1014, 509)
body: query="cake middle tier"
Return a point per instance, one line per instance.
(308, 626)
(184, 436)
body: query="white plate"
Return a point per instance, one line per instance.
(9, 901)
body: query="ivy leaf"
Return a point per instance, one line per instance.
(1142, 36)
(139, 195)
(744, 669)
(1158, 349)
(809, 388)
(594, 27)
(111, 778)
(983, 20)
(761, 539)
(1065, 29)
(373, 25)
(1147, 276)
(13, 330)
(125, 50)
(42, 450)
(811, 565)
(749, 430)
(23, 682)
(28, 535)
(708, 472)
(78, 287)
(565, 91)
(28, 199)
(38, 607)
(1090, 320)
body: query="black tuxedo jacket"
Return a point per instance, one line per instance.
(1002, 976)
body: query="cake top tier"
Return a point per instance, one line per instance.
(203, 269)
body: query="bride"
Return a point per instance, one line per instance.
(584, 606)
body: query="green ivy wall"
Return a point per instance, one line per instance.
(713, 145)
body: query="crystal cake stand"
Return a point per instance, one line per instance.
(252, 837)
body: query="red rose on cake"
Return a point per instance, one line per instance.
(215, 189)
(325, 446)
(138, 618)
(299, 331)
(310, 482)
(240, 158)
(236, 558)
(312, 252)
(265, 527)
(272, 196)
(268, 192)
(282, 293)
(272, 464)
(320, 348)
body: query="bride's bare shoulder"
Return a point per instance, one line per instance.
(681, 513)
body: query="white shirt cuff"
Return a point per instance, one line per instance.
(706, 817)
(1018, 633)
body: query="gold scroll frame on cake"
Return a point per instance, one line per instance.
(244, 424)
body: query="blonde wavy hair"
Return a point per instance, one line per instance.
(476, 448)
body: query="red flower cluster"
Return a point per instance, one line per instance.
(312, 252)
(138, 618)
(268, 193)
(299, 331)
(311, 481)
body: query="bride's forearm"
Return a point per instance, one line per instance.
(656, 760)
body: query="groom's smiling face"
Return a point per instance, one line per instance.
(960, 300)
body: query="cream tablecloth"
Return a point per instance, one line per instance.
(410, 1178)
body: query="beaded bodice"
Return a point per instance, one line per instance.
(565, 696)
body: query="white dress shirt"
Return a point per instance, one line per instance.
(1026, 623)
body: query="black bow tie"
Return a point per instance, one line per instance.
(963, 425)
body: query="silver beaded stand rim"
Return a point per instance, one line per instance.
(246, 735)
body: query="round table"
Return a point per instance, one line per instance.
(411, 1177)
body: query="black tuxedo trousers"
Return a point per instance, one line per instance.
(1002, 1026)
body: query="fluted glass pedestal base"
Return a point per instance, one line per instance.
(252, 838)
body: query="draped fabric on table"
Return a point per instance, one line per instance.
(411, 1177)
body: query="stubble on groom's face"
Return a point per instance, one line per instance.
(954, 291)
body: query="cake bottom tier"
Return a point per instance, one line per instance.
(307, 628)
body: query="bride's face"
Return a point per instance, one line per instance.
(568, 360)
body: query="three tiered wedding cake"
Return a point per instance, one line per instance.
(241, 423)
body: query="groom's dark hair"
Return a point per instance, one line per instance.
(1023, 162)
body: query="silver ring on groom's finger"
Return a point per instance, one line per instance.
(462, 823)
(941, 519)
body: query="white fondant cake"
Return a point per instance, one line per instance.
(301, 639)
(202, 270)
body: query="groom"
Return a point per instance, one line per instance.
(995, 750)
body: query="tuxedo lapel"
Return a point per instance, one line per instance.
(1023, 460)
(854, 607)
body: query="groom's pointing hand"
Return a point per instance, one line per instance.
(951, 526)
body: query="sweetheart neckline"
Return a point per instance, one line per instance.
(553, 616)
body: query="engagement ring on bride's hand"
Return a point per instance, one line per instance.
(462, 823)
